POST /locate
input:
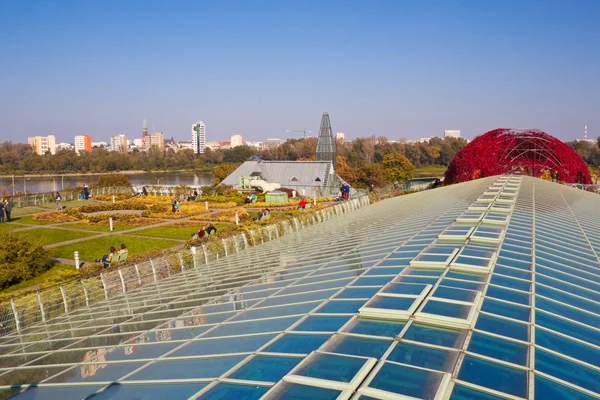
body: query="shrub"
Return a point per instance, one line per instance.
(113, 180)
(109, 197)
(129, 205)
(223, 216)
(55, 216)
(20, 260)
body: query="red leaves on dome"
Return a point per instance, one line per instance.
(526, 152)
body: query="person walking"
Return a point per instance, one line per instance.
(8, 206)
(58, 199)
(1, 212)
(173, 203)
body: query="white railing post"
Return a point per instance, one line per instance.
(16, 315)
(39, 297)
(62, 291)
(153, 269)
(76, 260)
(110, 223)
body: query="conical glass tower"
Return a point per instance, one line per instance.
(326, 142)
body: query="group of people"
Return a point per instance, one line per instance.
(265, 212)
(209, 230)
(5, 208)
(175, 205)
(107, 258)
(251, 198)
(345, 191)
(85, 193)
(192, 196)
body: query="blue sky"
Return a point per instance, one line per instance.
(397, 68)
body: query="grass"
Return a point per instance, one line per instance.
(432, 170)
(29, 220)
(75, 203)
(91, 249)
(181, 232)
(99, 228)
(45, 236)
(58, 273)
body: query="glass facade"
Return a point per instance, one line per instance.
(488, 289)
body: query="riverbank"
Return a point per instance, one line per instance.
(126, 172)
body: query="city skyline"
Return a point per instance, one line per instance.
(394, 69)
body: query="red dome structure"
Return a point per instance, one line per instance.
(527, 152)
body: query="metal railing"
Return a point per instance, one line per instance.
(22, 312)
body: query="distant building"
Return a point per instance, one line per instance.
(144, 129)
(339, 137)
(65, 146)
(198, 137)
(452, 133)
(156, 140)
(42, 144)
(182, 145)
(272, 143)
(83, 143)
(236, 140)
(119, 143)
(325, 143)
(137, 143)
(99, 145)
(258, 145)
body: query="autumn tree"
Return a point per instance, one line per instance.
(396, 167)
(223, 170)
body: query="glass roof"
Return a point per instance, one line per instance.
(488, 289)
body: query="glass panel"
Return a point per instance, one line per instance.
(321, 324)
(547, 389)
(376, 328)
(357, 293)
(97, 372)
(441, 360)
(331, 367)
(232, 391)
(356, 346)
(265, 368)
(455, 294)
(494, 376)
(391, 303)
(302, 344)
(150, 392)
(341, 307)
(508, 295)
(271, 325)
(506, 310)
(447, 309)
(504, 350)
(407, 381)
(436, 336)
(567, 370)
(403, 288)
(54, 392)
(188, 369)
(567, 347)
(223, 346)
(503, 327)
(295, 391)
(464, 393)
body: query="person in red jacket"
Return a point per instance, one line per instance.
(302, 204)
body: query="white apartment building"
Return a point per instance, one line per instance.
(339, 137)
(119, 143)
(42, 144)
(452, 133)
(199, 137)
(236, 140)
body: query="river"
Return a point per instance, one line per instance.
(50, 183)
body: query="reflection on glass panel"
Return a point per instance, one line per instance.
(54, 392)
(391, 303)
(242, 328)
(331, 367)
(298, 298)
(494, 376)
(455, 294)
(357, 293)
(292, 309)
(441, 360)
(297, 344)
(187, 369)
(223, 346)
(567, 347)
(341, 307)
(372, 327)
(503, 327)
(413, 382)
(436, 336)
(447, 309)
(507, 310)
(302, 392)
(265, 368)
(501, 349)
(465, 393)
(356, 346)
(315, 323)
(508, 282)
(547, 389)
(224, 390)
(508, 295)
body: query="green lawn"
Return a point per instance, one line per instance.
(181, 232)
(29, 220)
(89, 250)
(99, 228)
(69, 204)
(433, 170)
(46, 236)
(58, 273)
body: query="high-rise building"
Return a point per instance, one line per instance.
(339, 137)
(236, 140)
(199, 137)
(325, 143)
(42, 144)
(156, 140)
(144, 129)
(83, 143)
(119, 143)
(452, 133)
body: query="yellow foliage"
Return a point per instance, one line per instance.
(55, 216)
(547, 176)
(223, 216)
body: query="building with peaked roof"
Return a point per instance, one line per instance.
(326, 143)
(302, 176)
(487, 289)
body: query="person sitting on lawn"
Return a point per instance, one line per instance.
(261, 213)
(254, 198)
(123, 249)
(177, 206)
(211, 230)
(107, 258)
(302, 204)
(202, 232)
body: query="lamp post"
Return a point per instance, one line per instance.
(62, 185)
(25, 185)
(13, 185)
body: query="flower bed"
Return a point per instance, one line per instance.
(223, 216)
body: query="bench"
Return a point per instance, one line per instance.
(119, 257)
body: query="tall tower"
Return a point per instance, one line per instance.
(198, 137)
(326, 142)
(144, 129)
